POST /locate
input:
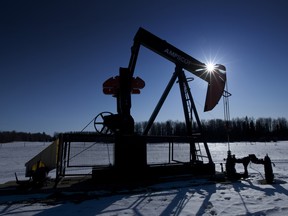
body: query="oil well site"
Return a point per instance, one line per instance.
(128, 159)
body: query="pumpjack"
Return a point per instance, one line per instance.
(130, 148)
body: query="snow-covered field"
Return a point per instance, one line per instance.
(189, 197)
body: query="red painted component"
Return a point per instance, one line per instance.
(216, 85)
(112, 82)
(112, 85)
(137, 83)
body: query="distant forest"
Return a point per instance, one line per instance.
(215, 130)
(11, 136)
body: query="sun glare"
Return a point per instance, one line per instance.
(210, 67)
(211, 61)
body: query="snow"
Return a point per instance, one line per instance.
(189, 197)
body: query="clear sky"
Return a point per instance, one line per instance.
(55, 55)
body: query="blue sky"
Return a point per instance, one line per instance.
(55, 55)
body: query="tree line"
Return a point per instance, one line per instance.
(11, 136)
(214, 130)
(218, 130)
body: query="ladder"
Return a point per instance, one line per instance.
(192, 127)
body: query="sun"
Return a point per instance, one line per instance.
(211, 59)
(210, 67)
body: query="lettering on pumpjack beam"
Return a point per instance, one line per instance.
(178, 57)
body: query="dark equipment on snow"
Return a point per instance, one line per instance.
(129, 145)
(231, 160)
(130, 149)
